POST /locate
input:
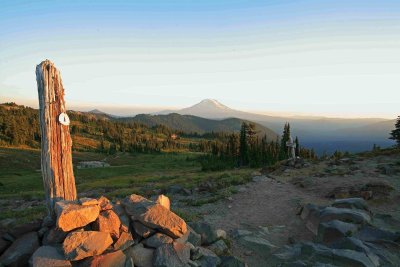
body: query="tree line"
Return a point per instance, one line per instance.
(249, 149)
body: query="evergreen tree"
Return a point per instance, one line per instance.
(296, 141)
(244, 146)
(395, 134)
(283, 153)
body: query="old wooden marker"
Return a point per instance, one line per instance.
(57, 170)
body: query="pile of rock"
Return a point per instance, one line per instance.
(346, 234)
(131, 232)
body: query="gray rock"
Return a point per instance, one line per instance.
(114, 259)
(207, 232)
(351, 203)
(21, 250)
(190, 236)
(339, 257)
(205, 257)
(331, 231)
(288, 253)
(372, 234)
(129, 262)
(157, 240)
(136, 205)
(351, 258)
(257, 244)
(239, 232)
(221, 234)
(20, 230)
(4, 245)
(311, 215)
(142, 230)
(259, 178)
(124, 241)
(219, 247)
(142, 257)
(231, 261)
(172, 255)
(54, 236)
(174, 189)
(351, 243)
(49, 256)
(346, 215)
(388, 252)
(79, 245)
(125, 221)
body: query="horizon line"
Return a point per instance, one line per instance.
(133, 110)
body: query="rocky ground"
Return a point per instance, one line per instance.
(341, 212)
(264, 215)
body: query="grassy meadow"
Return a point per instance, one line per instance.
(21, 180)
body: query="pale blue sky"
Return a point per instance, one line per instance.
(334, 58)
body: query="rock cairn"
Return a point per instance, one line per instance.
(131, 232)
(347, 233)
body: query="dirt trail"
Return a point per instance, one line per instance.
(267, 207)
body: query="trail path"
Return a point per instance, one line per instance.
(267, 207)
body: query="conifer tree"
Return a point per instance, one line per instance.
(296, 141)
(283, 153)
(395, 134)
(244, 146)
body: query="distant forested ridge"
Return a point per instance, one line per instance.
(226, 143)
(19, 126)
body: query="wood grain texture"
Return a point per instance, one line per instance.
(56, 156)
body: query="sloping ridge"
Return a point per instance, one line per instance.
(192, 124)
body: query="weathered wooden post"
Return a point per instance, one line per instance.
(57, 171)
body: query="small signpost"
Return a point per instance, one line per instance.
(56, 143)
(291, 148)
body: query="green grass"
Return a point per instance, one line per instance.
(21, 179)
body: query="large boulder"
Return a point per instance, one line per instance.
(155, 216)
(71, 215)
(207, 232)
(49, 256)
(172, 255)
(80, 245)
(331, 231)
(114, 259)
(21, 250)
(160, 218)
(108, 222)
(157, 240)
(141, 256)
(345, 215)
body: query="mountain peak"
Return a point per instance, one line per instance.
(96, 111)
(211, 104)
